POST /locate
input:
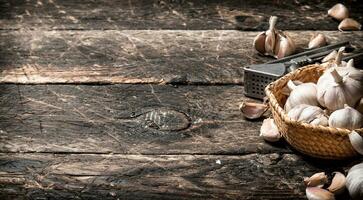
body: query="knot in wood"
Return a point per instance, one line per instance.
(166, 120)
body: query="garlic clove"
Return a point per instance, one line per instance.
(316, 193)
(330, 56)
(252, 110)
(269, 131)
(318, 40)
(349, 24)
(259, 42)
(285, 46)
(316, 179)
(357, 141)
(337, 185)
(271, 36)
(339, 12)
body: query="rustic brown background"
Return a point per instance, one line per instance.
(138, 99)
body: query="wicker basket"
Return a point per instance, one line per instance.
(316, 141)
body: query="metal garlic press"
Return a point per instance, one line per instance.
(257, 77)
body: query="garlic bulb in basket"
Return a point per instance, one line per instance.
(339, 86)
(304, 93)
(354, 182)
(347, 117)
(310, 114)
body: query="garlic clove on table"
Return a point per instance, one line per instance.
(317, 179)
(317, 40)
(252, 110)
(269, 131)
(349, 24)
(339, 12)
(337, 185)
(316, 193)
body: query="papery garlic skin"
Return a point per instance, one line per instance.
(354, 182)
(347, 117)
(337, 87)
(305, 93)
(310, 114)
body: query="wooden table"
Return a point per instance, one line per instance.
(139, 99)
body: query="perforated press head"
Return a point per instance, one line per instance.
(257, 77)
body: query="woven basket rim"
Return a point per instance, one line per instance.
(287, 119)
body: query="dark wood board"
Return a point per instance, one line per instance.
(169, 14)
(85, 176)
(176, 57)
(130, 119)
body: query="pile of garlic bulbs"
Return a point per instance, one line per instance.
(333, 101)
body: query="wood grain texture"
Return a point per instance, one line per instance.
(169, 14)
(130, 119)
(74, 176)
(176, 57)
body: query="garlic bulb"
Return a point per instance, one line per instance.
(310, 114)
(273, 42)
(269, 131)
(265, 41)
(285, 46)
(318, 40)
(302, 94)
(349, 24)
(354, 182)
(347, 117)
(339, 12)
(339, 86)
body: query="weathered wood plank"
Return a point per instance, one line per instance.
(182, 57)
(132, 119)
(47, 176)
(169, 14)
